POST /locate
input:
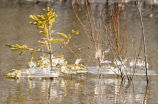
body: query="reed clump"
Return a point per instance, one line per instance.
(111, 38)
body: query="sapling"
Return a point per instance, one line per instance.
(44, 23)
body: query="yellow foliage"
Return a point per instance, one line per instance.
(48, 10)
(41, 42)
(24, 47)
(83, 69)
(67, 42)
(13, 70)
(38, 48)
(39, 63)
(42, 32)
(80, 65)
(23, 51)
(59, 69)
(40, 27)
(31, 16)
(33, 52)
(57, 40)
(44, 22)
(61, 34)
(65, 63)
(61, 56)
(69, 36)
(17, 47)
(75, 32)
(14, 47)
(31, 59)
(44, 38)
(52, 31)
(46, 31)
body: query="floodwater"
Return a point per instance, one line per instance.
(76, 89)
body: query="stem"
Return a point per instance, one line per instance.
(50, 50)
(144, 44)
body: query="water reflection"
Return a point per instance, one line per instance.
(81, 90)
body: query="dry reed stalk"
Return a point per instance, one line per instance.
(112, 36)
(143, 36)
(120, 51)
(143, 44)
(86, 54)
(93, 33)
(90, 36)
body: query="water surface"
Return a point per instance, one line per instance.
(15, 28)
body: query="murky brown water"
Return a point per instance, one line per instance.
(15, 28)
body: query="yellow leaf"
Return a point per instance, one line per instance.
(34, 23)
(67, 42)
(31, 59)
(40, 27)
(45, 10)
(24, 47)
(14, 49)
(23, 51)
(31, 16)
(59, 69)
(48, 9)
(83, 69)
(42, 32)
(61, 34)
(46, 31)
(13, 70)
(52, 31)
(33, 52)
(69, 36)
(75, 32)
(39, 63)
(61, 56)
(56, 40)
(65, 63)
(42, 17)
(41, 42)
(35, 18)
(38, 48)
(44, 38)
(8, 45)
(31, 22)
